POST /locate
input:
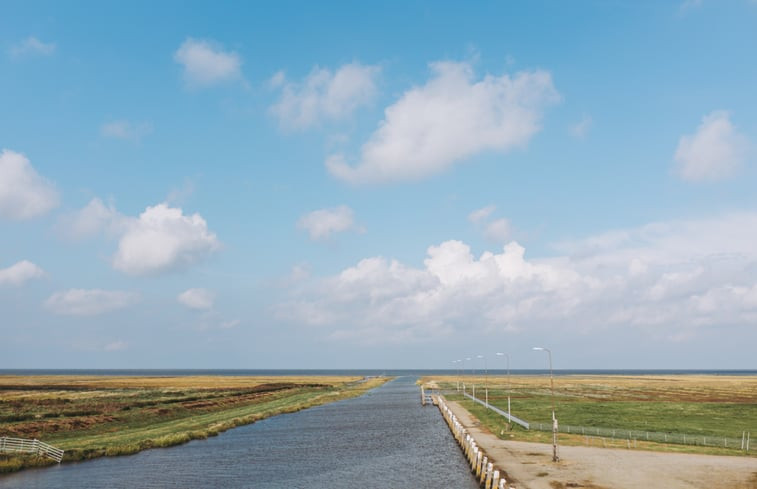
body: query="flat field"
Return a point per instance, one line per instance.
(702, 406)
(93, 416)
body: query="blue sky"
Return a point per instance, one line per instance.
(302, 185)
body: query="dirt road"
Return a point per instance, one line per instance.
(530, 466)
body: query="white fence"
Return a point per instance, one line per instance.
(20, 445)
(742, 443)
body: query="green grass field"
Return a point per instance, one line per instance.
(703, 406)
(97, 416)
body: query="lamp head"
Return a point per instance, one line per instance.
(538, 348)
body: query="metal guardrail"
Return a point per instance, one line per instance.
(513, 419)
(21, 445)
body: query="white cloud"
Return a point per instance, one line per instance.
(94, 218)
(687, 5)
(117, 345)
(205, 63)
(89, 302)
(324, 94)
(481, 214)
(125, 130)
(19, 273)
(716, 151)
(499, 230)
(450, 118)
(23, 192)
(496, 230)
(322, 223)
(160, 239)
(672, 278)
(163, 239)
(233, 323)
(32, 46)
(197, 298)
(581, 128)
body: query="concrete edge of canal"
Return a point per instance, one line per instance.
(487, 474)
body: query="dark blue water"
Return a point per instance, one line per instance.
(384, 439)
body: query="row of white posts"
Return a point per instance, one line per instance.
(484, 470)
(21, 445)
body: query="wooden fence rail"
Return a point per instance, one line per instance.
(21, 445)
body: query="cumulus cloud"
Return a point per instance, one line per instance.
(125, 130)
(324, 95)
(232, 323)
(94, 218)
(580, 129)
(20, 273)
(480, 215)
(673, 277)
(716, 151)
(163, 239)
(688, 5)
(197, 298)
(322, 223)
(31, 46)
(23, 192)
(89, 302)
(452, 117)
(499, 230)
(117, 345)
(496, 230)
(206, 63)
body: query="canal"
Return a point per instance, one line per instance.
(383, 439)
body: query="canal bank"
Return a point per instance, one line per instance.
(383, 439)
(527, 465)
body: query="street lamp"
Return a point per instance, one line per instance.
(486, 387)
(507, 356)
(555, 458)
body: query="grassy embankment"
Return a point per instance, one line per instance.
(92, 416)
(710, 406)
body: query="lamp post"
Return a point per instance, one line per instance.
(486, 384)
(507, 356)
(555, 458)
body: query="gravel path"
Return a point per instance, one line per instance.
(530, 466)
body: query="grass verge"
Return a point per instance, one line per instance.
(91, 417)
(705, 406)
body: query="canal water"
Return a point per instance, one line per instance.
(383, 439)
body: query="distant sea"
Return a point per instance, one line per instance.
(359, 372)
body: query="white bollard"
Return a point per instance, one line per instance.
(489, 473)
(481, 474)
(495, 480)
